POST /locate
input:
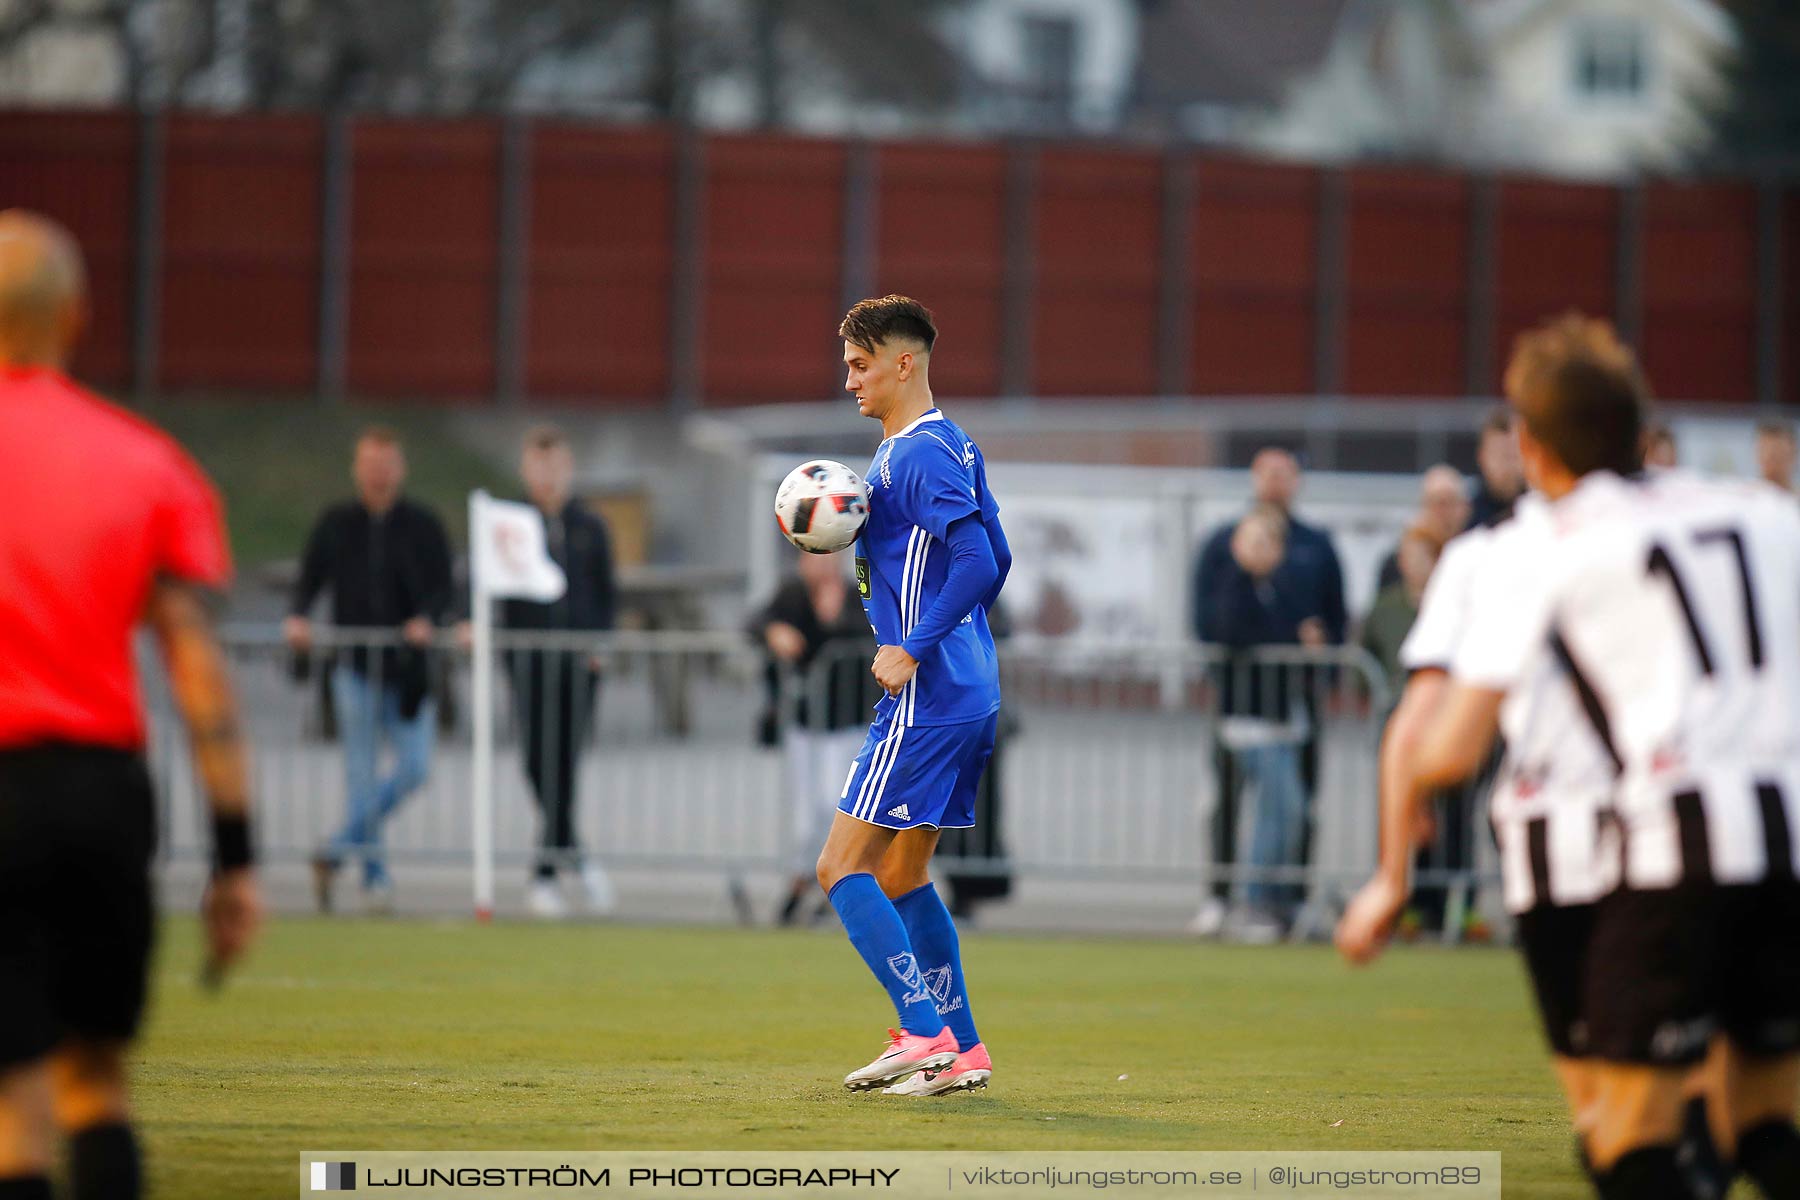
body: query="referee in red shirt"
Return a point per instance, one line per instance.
(106, 524)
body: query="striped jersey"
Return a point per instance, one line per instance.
(923, 479)
(1555, 781)
(1673, 605)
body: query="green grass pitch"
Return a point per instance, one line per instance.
(395, 1035)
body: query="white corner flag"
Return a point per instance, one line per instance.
(507, 554)
(507, 558)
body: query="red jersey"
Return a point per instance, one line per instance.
(95, 506)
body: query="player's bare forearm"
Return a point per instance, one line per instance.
(1457, 740)
(1400, 798)
(1369, 919)
(201, 685)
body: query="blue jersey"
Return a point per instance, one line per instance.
(925, 477)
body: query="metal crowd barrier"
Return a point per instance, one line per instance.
(1109, 768)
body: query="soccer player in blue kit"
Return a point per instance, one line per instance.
(930, 563)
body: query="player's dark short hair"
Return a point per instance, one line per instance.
(875, 322)
(545, 437)
(1580, 392)
(1775, 427)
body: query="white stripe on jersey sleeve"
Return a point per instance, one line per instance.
(918, 591)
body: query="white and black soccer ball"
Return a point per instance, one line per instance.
(821, 506)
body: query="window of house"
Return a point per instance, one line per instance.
(1049, 44)
(1611, 59)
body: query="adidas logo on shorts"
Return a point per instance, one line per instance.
(899, 813)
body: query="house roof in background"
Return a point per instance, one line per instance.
(1239, 52)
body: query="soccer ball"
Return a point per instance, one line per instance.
(821, 506)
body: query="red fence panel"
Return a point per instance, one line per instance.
(941, 239)
(1557, 246)
(1699, 335)
(1406, 293)
(240, 285)
(423, 257)
(600, 267)
(239, 289)
(1098, 226)
(1255, 278)
(774, 268)
(80, 169)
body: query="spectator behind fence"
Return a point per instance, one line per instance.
(1775, 453)
(555, 691)
(1263, 717)
(1659, 444)
(1397, 605)
(818, 636)
(1502, 477)
(1310, 575)
(387, 563)
(1443, 511)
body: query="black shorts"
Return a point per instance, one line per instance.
(77, 829)
(1555, 944)
(1668, 969)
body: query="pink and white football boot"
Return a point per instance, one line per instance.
(972, 1069)
(906, 1053)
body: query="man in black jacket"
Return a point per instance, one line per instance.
(387, 563)
(1311, 577)
(1501, 478)
(555, 690)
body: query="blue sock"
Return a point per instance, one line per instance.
(876, 932)
(933, 937)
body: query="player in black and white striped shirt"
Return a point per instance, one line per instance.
(1545, 804)
(1673, 604)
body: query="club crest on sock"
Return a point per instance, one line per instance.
(906, 968)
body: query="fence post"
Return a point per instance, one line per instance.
(147, 262)
(687, 286)
(1019, 284)
(1630, 264)
(1770, 367)
(334, 256)
(1328, 343)
(861, 225)
(1484, 264)
(512, 279)
(1175, 300)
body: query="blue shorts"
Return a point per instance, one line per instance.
(926, 775)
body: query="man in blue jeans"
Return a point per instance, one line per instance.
(1263, 720)
(387, 563)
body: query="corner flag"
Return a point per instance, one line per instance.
(507, 557)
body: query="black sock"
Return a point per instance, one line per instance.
(25, 1187)
(1770, 1154)
(1647, 1173)
(103, 1164)
(1708, 1175)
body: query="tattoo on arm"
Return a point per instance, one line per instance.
(201, 684)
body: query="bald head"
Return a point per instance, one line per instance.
(43, 290)
(1443, 501)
